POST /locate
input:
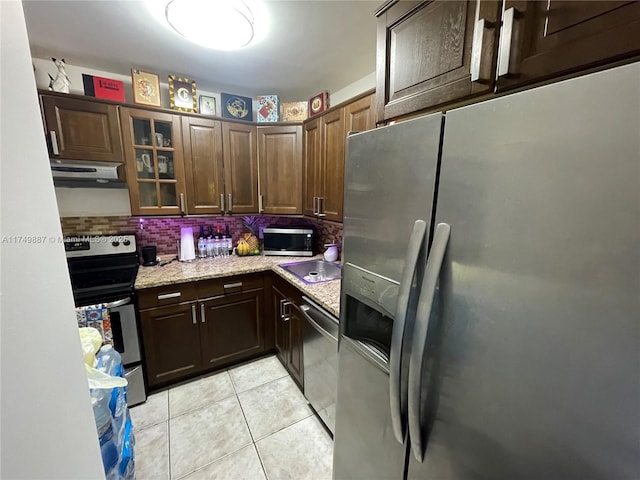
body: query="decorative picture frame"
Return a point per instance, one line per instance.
(294, 111)
(146, 88)
(268, 110)
(236, 107)
(318, 103)
(182, 94)
(207, 105)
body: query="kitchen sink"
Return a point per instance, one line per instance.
(314, 271)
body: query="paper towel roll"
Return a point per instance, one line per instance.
(187, 247)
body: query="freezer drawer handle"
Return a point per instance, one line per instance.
(401, 330)
(418, 346)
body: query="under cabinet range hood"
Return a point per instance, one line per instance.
(86, 175)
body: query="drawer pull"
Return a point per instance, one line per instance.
(233, 285)
(166, 296)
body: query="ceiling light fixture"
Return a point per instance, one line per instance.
(217, 24)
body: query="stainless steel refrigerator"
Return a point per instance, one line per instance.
(490, 303)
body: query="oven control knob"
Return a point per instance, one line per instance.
(126, 243)
(115, 244)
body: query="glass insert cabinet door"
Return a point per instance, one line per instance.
(155, 167)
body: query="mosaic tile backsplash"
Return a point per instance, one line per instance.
(164, 232)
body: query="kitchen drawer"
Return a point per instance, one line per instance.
(232, 284)
(166, 295)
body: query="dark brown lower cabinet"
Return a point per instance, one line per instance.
(191, 338)
(231, 328)
(288, 327)
(171, 337)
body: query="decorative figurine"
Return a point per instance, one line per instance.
(61, 82)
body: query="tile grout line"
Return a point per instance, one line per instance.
(253, 442)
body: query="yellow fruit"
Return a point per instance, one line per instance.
(243, 248)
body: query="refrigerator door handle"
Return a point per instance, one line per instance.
(398, 406)
(427, 294)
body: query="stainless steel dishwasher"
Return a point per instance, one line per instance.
(320, 354)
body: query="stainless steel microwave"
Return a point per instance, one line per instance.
(288, 241)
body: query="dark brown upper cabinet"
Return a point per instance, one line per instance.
(82, 129)
(434, 52)
(240, 168)
(360, 115)
(324, 166)
(541, 40)
(280, 167)
(312, 166)
(154, 161)
(203, 165)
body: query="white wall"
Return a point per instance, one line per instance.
(47, 430)
(356, 88)
(44, 67)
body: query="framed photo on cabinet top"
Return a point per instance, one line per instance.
(146, 88)
(207, 105)
(182, 94)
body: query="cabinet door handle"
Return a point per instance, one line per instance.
(182, 207)
(320, 209)
(54, 142)
(285, 315)
(476, 47)
(506, 36)
(260, 209)
(203, 317)
(230, 203)
(193, 314)
(166, 296)
(315, 206)
(222, 203)
(232, 285)
(282, 307)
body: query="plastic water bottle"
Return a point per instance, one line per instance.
(110, 362)
(104, 425)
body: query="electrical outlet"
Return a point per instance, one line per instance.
(261, 232)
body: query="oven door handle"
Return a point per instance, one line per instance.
(118, 303)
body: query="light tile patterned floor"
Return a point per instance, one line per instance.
(248, 422)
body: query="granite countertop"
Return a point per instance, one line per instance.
(327, 294)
